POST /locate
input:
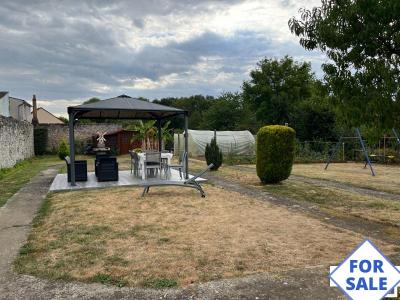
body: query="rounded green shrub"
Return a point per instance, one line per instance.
(213, 155)
(275, 153)
(63, 150)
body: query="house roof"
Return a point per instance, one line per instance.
(20, 100)
(49, 114)
(124, 107)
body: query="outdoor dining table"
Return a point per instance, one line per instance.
(142, 159)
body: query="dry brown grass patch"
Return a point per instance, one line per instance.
(342, 202)
(116, 236)
(387, 176)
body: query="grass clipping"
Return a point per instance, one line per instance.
(172, 237)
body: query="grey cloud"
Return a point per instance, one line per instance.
(61, 51)
(139, 23)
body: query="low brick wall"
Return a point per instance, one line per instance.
(16, 141)
(59, 132)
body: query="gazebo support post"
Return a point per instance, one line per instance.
(159, 135)
(72, 146)
(186, 146)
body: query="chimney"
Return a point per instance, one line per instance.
(35, 120)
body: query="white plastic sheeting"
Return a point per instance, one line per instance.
(234, 142)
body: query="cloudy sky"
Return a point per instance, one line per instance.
(68, 51)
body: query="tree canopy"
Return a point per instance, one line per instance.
(285, 91)
(276, 88)
(91, 100)
(279, 91)
(362, 40)
(196, 105)
(226, 113)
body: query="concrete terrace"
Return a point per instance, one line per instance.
(126, 178)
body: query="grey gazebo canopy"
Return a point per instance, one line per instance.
(122, 107)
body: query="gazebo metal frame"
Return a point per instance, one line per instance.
(124, 107)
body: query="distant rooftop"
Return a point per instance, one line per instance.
(20, 100)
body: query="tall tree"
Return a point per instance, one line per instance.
(92, 100)
(315, 118)
(276, 88)
(91, 121)
(225, 113)
(64, 119)
(196, 105)
(362, 40)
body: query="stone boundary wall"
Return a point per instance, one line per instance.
(58, 132)
(16, 141)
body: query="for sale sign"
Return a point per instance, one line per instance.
(366, 274)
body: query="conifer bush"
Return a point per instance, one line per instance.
(275, 153)
(213, 154)
(63, 151)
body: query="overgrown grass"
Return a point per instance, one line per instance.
(12, 179)
(159, 283)
(108, 279)
(18, 165)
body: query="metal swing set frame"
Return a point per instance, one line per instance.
(364, 148)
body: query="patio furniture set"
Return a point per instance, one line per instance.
(105, 167)
(126, 108)
(144, 164)
(152, 165)
(156, 163)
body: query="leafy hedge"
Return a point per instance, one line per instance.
(40, 140)
(275, 153)
(213, 154)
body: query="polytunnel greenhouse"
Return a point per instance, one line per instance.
(230, 142)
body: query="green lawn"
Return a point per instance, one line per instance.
(12, 179)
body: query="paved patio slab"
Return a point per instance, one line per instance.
(126, 178)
